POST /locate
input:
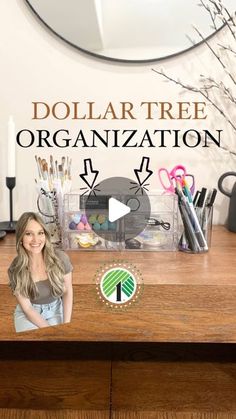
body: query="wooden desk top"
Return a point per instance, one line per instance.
(186, 297)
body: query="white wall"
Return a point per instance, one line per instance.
(37, 66)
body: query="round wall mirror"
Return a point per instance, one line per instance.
(130, 30)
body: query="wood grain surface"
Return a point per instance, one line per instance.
(76, 414)
(163, 313)
(55, 385)
(52, 414)
(184, 378)
(40, 375)
(171, 415)
(185, 298)
(218, 266)
(117, 380)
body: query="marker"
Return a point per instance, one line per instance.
(212, 198)
(207, 213)
(189, 231)
(196, 198)
(199, 208)
(196, 225)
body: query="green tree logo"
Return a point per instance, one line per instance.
(118, 285)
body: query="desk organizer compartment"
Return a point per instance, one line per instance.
(87, 241)
(162, 230)
(79, 229)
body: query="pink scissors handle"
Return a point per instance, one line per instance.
(167, 184)
(178, 172)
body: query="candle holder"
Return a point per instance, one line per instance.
(2, 234)
(9, 226)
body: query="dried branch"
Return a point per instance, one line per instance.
(211, 13)
(211, 89)
(202, 92)
(217, 56)
(224, 15)
(227, 48)
(213, 84)
(229, 151)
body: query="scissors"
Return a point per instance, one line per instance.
(169, 179)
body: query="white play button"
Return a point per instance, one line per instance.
(116, 210)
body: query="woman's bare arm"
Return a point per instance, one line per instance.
(67, 298)
(31, 314)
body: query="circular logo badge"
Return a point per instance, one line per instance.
(118, 284)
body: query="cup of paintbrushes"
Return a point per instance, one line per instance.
(48, 208)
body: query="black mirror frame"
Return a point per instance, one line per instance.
(120, 60)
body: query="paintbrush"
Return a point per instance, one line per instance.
(63, 160)
(45, 171)
(61, 173)
(69, 169)
(38, 166)
(56, 169)
(51, 178)
(51, 166)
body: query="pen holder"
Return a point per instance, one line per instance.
(197, 231)
(207, 225)
(48, 208)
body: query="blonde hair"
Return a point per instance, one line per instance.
(21, 282)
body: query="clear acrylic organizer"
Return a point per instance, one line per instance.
(161, 234)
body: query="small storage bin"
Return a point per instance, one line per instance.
(162, 230)
(79, 230)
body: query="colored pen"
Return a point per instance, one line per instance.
(207, 214)
(212, 198)
(199, 208)
(195, 221)
(196, 198)
(189, 230)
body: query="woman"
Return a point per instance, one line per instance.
(40, 278)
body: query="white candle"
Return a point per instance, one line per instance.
(11, 149)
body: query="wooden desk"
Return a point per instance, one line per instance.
(186, 297)
(51, 373)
